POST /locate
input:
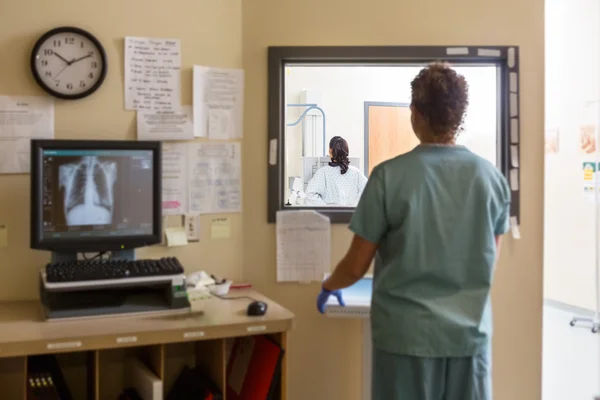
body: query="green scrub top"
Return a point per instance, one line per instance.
(435, 213)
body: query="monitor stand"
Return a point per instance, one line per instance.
(128, 255)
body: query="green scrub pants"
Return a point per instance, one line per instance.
(397, 377)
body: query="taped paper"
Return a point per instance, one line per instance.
(273, 152)
(514, 130)
(457, 51)
(514, 180)
(514, 82)
(511, 57)
(489, 53)
(514, 156)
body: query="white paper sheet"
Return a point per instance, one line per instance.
(218, 102)
(303, 246)
(165, 125)
(152, 74)
(23, 118)
(174, 179)
(214, 171)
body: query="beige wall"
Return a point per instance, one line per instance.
(325, 354)
(210, 31)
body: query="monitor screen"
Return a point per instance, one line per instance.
(97, 193)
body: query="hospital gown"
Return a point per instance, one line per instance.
(330, 187)
(434, 213)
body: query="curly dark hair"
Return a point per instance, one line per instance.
(339, 153)
(441, 96)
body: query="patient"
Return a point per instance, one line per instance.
(339, 183)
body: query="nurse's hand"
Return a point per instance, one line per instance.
(324, 296)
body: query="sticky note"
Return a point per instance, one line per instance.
(220, 228)
(3, 236)
(176, 236)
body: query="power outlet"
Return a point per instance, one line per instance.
(192, 227)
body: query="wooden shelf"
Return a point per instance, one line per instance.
(92, 353)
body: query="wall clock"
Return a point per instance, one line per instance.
(69, 63)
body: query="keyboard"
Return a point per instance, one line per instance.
(95, 270)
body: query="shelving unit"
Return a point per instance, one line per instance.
(92, 354)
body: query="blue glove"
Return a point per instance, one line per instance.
(324, 296)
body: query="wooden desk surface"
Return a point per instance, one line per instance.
(23, 331)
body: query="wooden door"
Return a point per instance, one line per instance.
(388, 132)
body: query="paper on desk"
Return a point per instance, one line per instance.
(165, 125)
(176, 236)
(152, 74)
(218, 102)
(174, 179)
(303, 246)
(214, 171)
(23, 118)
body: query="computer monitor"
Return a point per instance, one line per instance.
(95, 196)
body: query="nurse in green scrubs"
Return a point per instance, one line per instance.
(432, 219)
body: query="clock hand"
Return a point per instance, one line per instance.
(80, 58)
(62, 58)
(65, 67)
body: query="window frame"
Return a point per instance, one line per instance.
(506, 58)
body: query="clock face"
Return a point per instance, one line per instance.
(69, 63)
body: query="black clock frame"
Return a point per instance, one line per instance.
(75, 31)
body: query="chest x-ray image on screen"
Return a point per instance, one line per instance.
(88, 190)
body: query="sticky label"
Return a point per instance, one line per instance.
(489, 53)
(257, 328)
(457, 51)
(513, 82)
(64, 345)
(514, 180)
(191, 335)
(511, 57)
(514, 105)
(514, 130)
(514, 228)
(127, 339)
(273, 152)
(514, 156)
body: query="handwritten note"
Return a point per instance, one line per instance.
(165, 125)
(303, 246)
(152, 74)
(218, 102)
(214, 171)
(174, 179)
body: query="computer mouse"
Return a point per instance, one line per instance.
(256, 309)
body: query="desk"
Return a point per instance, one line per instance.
(165, 342)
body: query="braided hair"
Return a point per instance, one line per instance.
(339, 153)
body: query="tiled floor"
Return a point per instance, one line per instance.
(571, 365)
